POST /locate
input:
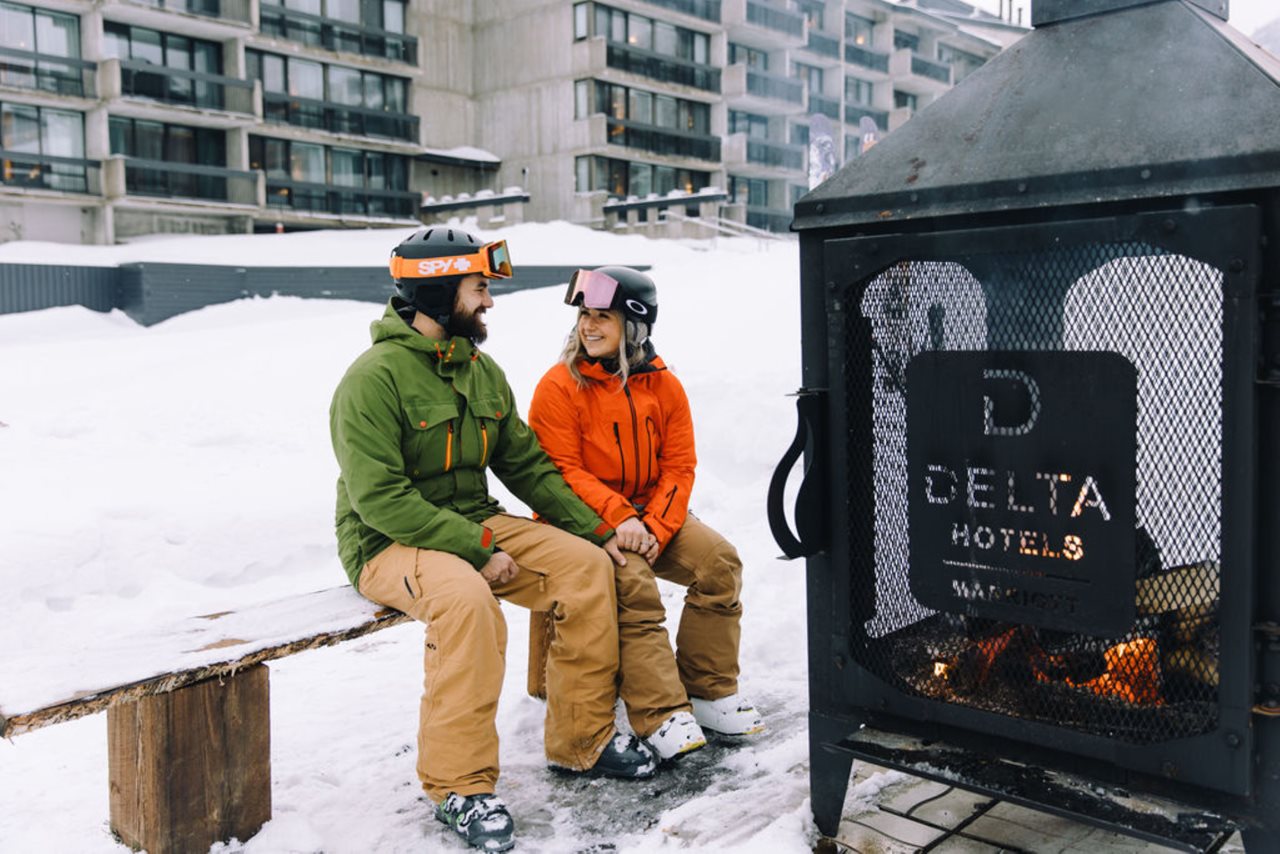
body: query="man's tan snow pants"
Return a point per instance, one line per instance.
(466, 640)
(652, 683)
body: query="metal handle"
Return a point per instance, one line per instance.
(810, 536)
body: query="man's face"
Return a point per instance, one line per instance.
(469, 306)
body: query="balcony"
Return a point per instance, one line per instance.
(822, 45)
(331, 34)
(135, 176)
(338, 118)
(209, 19)
(755, 157)
(26, 171)
(660, 140)
(829, 107)
(59, 75)
(157, 91)
(760, 92)
(854, 113)
(770, 219)
(763, 24)
(869, 59)
(913, 73)
(305, 197)
(663, 68)
(707, 10)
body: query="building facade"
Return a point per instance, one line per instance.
(127, 117)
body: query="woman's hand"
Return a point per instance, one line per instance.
(635, 537)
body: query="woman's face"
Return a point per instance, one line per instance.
(600, 332)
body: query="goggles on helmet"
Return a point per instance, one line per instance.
(493, 261)
(592, 289)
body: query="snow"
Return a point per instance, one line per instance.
(152, 474)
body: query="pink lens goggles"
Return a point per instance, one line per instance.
(591, 289)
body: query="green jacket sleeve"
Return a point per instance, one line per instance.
(366, 428)
(525, 469)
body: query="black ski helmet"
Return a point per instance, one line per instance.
(636, 296)
(432, 296)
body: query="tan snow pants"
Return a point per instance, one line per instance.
(652, 683)
(466, 640)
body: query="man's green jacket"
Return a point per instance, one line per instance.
(415, 422)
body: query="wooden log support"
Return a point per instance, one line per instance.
(192, 767)
(542, 630)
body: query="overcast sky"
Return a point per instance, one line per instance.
(1246, 15)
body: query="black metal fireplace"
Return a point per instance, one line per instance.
(1040, 418)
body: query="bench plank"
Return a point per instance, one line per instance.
(127, 668)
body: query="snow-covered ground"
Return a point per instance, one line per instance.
(151, 474)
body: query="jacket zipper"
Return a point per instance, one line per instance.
(622, 458)
(670, 497)
(448, 449)
(648, 432)
(635, 438)
(484, 444)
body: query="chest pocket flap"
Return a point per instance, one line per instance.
(487, 407)
(425, 416)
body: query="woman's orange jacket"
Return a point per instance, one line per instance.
(625, 450)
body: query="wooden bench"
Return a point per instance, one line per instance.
(188, 711)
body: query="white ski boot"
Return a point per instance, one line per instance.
(732, 715)
(677, 735)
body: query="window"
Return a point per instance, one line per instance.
(753, 192)
(857, 91)
(594, 173)
(175, 143)
(748, 123)
(641, 107)
(810, 74)
(812, 11)
(166, 50)
(748, 56)
(580, 21)
(393, 15)
(799, 134)
(905, 99)
(903, 40)
(962, 62)
(581, 99)
(852, 146)
(640, 32)
(858, 29)
(42, 131)
(49, 34)
(305, 176)
(797, 191)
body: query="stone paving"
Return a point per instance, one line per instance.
(907, 814)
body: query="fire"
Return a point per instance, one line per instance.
(1132, 668)
(1133, 673)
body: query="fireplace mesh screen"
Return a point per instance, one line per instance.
(1161, 311)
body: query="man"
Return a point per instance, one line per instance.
(416, 421)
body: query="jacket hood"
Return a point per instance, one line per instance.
(598, 369)
(393, 328)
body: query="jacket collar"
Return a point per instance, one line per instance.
(392, 327)
(595, 369)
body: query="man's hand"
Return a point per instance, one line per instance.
(500, 569)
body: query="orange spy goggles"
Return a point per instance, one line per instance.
(493, 261)
(592, 289)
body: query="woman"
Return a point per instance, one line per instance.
(617, 424)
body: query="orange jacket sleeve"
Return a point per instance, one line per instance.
(669, 502)
(554, 419)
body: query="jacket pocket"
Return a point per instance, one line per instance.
(488, 412)
(430, 438)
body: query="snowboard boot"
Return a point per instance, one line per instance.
(624, 757)
(732, 715)
(678, 735)
(482, 820)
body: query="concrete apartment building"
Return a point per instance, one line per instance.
(127, 117)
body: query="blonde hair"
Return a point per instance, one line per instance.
(628, 357)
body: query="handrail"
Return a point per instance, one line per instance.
(281, 97)
(8, 154)
(185, 168)
(199, 76)
(401, 47)
(85, 64)
(708, 10)
(339, 188)
(688, 73)
(872, 59)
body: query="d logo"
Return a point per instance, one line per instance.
(989, 425)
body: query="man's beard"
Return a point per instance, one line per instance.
(467, 325)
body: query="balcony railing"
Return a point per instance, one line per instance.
(824, 45)
(660, 140)
(778, 154)
(658, 66)
(189, 180)
(708, 10)
(139, 79)
(853, 114)
(326, 198)
(232, 11)
(928, 68)
(331, 34)
(61, 75)
(767, 85)
(770, 219)
(829, 107)
(338, 118)
(866, 58)
(775, 18)
(47, 172)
